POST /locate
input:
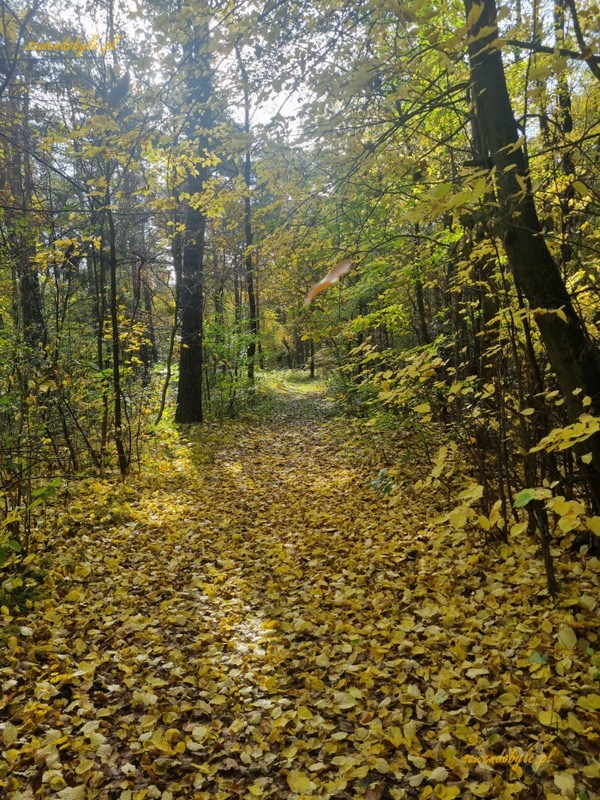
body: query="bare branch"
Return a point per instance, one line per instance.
(543, 48)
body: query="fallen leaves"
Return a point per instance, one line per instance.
(299, 782)
(75, 793)
(265, 624)
(567, 637)
(565, 782)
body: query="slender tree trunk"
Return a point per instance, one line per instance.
(220, 336)
(420, 300)
(564, 126)
(248, 258)
(253, 320)
(97, 282)
(116, 350)
(237, 298)
(575, 359)
(261, 357)
(119, 405)
(420, 303)
(299, 349)
(177, 261)
(22, 224)
(149, 349)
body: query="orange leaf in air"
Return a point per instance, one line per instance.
(333, 276)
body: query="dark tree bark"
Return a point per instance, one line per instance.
(122, 456)
(189, 390)
(590, 59)
(190, 290)
(423, 330)
(22, 225)
(575, 359)
(565, 126)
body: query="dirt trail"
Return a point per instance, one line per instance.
(254, 620)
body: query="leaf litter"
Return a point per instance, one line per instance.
(254, 620)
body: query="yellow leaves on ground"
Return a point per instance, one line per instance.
(565, 782)
(75, 793)
(82, 571)
(9, 734)
(567, 637)
(74, 596)
(549, 718)
(446, 792)
(255, 621)
(299, 782)
(591, 702)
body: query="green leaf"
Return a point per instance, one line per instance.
(524, 497)
(538, 658)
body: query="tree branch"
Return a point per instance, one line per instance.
(11, 64)
(591, 61)
(543, 48)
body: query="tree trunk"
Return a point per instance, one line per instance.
(189, 390)
(22, 225)
(177, 252)
(122, 456)
(190, 291)
(424, 336)
(248, 258)
(575, 359)
(564, 126)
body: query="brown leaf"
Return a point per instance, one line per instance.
(375, 791)
(333, 276)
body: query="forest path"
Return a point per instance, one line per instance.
(254, 620)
